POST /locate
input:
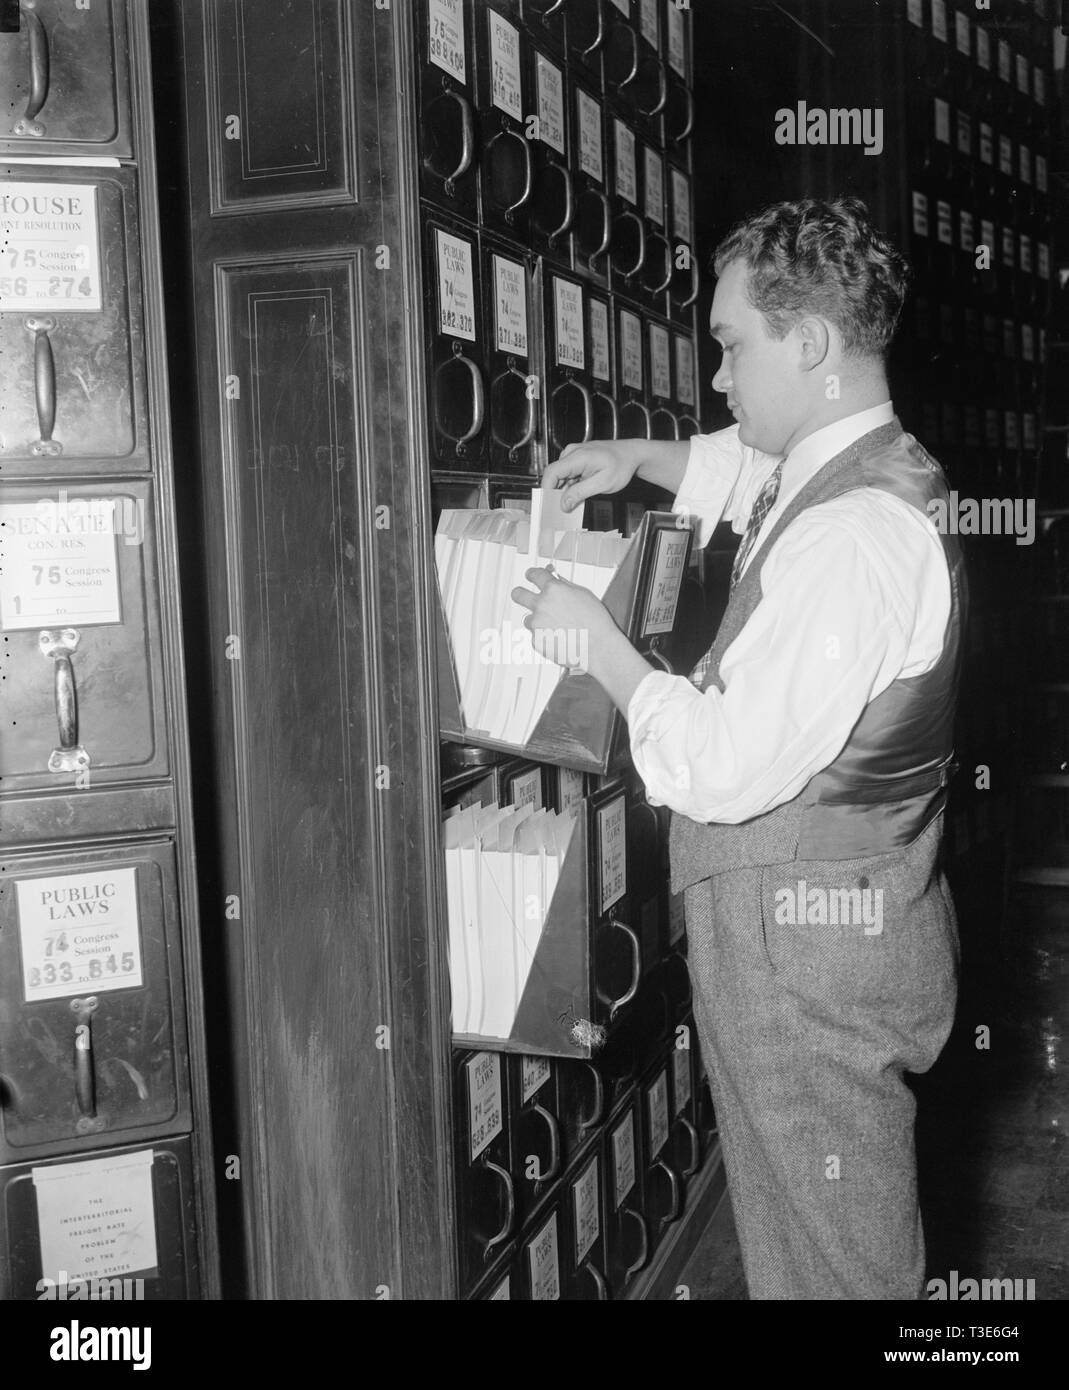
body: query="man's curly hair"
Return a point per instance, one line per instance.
(822, 257)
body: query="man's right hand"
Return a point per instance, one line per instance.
(593, 469)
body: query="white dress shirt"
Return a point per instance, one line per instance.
(854, 594)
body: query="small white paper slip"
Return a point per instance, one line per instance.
(445, 37)
(648, 21)
(585, 1202)
(657, 1109)
(630, 349)
(526, 789)
(51, 248)
(505, 65)
(60, 563)
(626, 169)
(660, 362)
(544, 1264)
(484, 1100)
(550, 82)
(677, 40)
(668, 573)
(548, 516)
(570, 789)
(535, 1072)
(568, 320)
(623, 1159)
(654, 166)
(599, 339)
(456, 286)
(612, 852)
(96, 1218)
(510, 305)
(681, 223)
(591, 155)
(684, 371)
(681, 1081)
(78, 933)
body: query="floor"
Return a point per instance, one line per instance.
(993, 1123)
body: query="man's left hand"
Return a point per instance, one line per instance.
(564, 619)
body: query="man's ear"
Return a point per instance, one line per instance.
(814, 340)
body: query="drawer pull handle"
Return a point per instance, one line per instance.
(645, 1252)
(554, 1143)
(59, 647)
(39, 71)
(636, 968)
(467, 141)
(44, 386)
(676, 1183)
(85, 1089)
(599, 1102)
(695, 1147)
(510, 1207)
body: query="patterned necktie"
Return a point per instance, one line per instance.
(766, 500)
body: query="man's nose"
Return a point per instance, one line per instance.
(722, 379)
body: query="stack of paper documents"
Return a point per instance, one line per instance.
(502, 866)
(481, 556)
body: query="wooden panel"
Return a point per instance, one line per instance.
(281, 128)
(297, 467)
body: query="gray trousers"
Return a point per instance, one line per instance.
(806, 1027)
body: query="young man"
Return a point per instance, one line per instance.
(807, 757)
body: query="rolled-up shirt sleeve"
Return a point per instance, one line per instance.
(722, 479)
(841, 594)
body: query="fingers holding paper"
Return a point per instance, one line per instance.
(564, 619)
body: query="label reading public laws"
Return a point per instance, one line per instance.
(505, 66)
(942, 120)
(484, 1100)
(49, 248)
(510, 303)
(79, 933)
(983, 48)
(657, 1110)
(630, 349)
(681, 1089)
(681, 223)
(60, 562)
(526, 789)
(445, 24)
(601, 519)
(550, 104)
(939, 19)
(585, 1198)
(612, 852)
(654, 186)
(623, 1159)
(599, 339)
(96, 1218)
(591, 155)
(648, 21)
(677, 40)
(456, 286)
(568, 314)
(961, 34)
(534, 1073)
(667, 578)
(660, 361)
(570, 782)
(685, 371)
(626, 172)
(544, 1264)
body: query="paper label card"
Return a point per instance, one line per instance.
(570, 782)
(61, 562)
(599, 339)
(456, 286)
(685, 371)
(681, 223)
(535, 1072)
(623, 1159)
(96, 1218)
(630, 349)
(568, 307)
(79, 933)
(544, 1263)
(654, 165)
(660, 361)
(681, 1081)
(648, 21)
(510, 305)
(505, 66)
(626, 168)
(657, 1110)
(525, 789)
(550, 104)
(445, 26)
(612, 852)
(49, 249)
(484, 1101)
(668, 570)
(591, 154)
(585, 1206)
(677, 40)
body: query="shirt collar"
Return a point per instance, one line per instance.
(816, 449)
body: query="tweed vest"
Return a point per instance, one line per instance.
(889, 782)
